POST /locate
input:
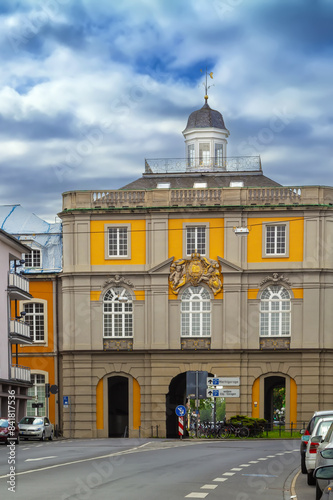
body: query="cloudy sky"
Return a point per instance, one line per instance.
(88, 89)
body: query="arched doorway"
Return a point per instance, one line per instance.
(118, 406)
(176, 396)
(272, 386)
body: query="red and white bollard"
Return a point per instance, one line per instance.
(181, 427)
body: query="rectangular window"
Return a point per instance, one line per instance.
(218, 155)
(118, 242)
(37, 391)
(204, 154)
(35, 319)
(33, 259)
(196, 240)
(191, 155)
(275, 240)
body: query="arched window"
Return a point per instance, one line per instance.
(118, 313)
(195, 312)
(275, 312)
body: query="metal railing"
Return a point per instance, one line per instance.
(211, 164)
(17, 281)
(19, 372)
(19, 328)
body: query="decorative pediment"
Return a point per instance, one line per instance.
(275, 278)
(194, 271)
(228, 267)
(117, 280)
(163, 267)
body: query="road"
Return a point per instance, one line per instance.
(128, 469)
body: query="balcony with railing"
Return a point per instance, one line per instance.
(19, 332)
(209, 164)
(18, 287)
(20, 373)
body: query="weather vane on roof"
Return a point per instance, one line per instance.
(206, 85)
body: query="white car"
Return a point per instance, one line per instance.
(316, 438)
(36, 427)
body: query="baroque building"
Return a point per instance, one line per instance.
(202, 264)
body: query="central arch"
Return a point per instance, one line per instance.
(118, 406)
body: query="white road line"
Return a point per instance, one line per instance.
(26, 448)
(208, 487)
(262, 458)
(236, 468)
(228, 474)
(270, 456)
(39, 445)
(197, 495)
(220, 479)
(244, 465)
(279, 453)
(253, 461)
(41, 458)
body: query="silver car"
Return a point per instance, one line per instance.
(324, 457)
(317, 436)
(325, 473)
(36, 427)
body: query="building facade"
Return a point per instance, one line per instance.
(15, 379)
(41, 266)
(202, 264)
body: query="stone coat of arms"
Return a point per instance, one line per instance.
(196, 270)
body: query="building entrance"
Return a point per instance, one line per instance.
(118, 406)
(274, 398)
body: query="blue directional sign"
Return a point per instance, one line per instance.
(65, 401)
(180, 411)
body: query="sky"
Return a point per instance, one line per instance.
(89, 89)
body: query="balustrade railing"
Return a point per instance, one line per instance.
(210, 164)
(17, 281)
(19, 372)
(19, 328)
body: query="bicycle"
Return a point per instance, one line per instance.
(238, 431)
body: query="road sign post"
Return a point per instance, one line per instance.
(181, 427)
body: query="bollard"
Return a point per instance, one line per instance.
(157, 431)
(152, 431)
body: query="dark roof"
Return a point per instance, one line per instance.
(205, 117)
(213, 181)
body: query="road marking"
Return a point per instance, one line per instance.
(279, 453)
(209, 486)
(228, 474)
(26, 448)
(220, 479)
(41, 458)
(270, 456)
(236, 468)
(39, 445)
(253, 461)
(259, 475)
(262, 458)
(244, 465)
(197, 495)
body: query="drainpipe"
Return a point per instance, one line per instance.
(57, 340)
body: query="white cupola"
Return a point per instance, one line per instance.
(206, 139)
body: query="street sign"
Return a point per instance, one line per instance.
(222, 393)
(65, 401)
(180, 411)
(224, 381)
(37, 405)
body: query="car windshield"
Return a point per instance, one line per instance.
(32, 421)
(3, 422)
(323, 428)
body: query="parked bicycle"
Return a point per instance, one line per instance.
(232, 430)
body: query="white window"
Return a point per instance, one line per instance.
(218, 155)
(196, 240)
(163, 185)
(275, 312)
(204, 154)
(118, 242)
(276, 239)
(200, 185)
(35, 318)
(118, 313)
(33, 259)
(236, 184)
(37, 391)
(195, 312)
(191, 155)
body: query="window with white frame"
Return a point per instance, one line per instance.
(37, 392)
(196, 240)
(118, 313)
(218, 155)
(195, 312)
(204, 154)
(275, 312)
(33, 259)
(191, 155)
(275, 241)
(35, 318)
(118, 241)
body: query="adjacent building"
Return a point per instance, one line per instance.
(15, 377)
(41, 264)
(202, 264)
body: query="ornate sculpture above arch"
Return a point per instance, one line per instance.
(194, 271)
(276, 278)
(117, 280)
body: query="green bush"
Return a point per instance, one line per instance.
(256, 425)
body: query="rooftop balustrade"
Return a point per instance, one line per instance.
(209, 164)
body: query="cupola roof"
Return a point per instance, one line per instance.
(204, 118)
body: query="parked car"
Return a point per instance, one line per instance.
(7, 434)
(317, 436)
(323, 458)
(36, 427)
(308, 431)
(325, 473)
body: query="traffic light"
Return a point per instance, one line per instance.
(47, 390)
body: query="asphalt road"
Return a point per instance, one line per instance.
(127, 469)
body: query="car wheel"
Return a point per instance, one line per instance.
(318, 492)
(303, 466)
(43, 436)
(310, 479)
(51, 436)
